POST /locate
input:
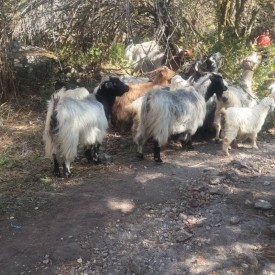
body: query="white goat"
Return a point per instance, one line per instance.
(244, 122)
(148, 56)
(71, 121)
(236, 96)
(77, 93)
(145, 56)
(165, 113)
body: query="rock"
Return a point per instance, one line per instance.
(245, 164)
(182, 236)
(79, 260)
(215, 180)
(234, 220)
(266, 183)
(262, 204)
(105, 158)
(216, 191)
(211, 171)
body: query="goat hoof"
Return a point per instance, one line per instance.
(140, 156)
(158, 160)
(217, 140)
(68, 175)
(190, 148)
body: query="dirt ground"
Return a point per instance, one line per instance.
(197, 213)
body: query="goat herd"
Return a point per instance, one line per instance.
(166, 106)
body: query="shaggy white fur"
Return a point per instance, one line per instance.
(78, 93)
(236, 96)
(73, 122)
(244, 122)
(164, 113)
(177, 82)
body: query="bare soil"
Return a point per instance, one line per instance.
(193, 214)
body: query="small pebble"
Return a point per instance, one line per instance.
(79, 260)
(234, 220)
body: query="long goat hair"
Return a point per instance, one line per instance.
(71, 121)
(121, 117)
(167, 114)
(236, 96)
(241, 123)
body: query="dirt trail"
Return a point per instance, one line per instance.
(193, 214)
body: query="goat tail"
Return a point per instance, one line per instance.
(51, 126)
(54, 121)
(155, 120)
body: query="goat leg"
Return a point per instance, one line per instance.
(186, 142)
(66, 169)
(140, 148)
(88, 154)
(95, 156)
(157, 152)
(254, 141)
(56, 170)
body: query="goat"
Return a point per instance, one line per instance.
(129, 79)
(171, 113)
(121, 116)
(137, 54)
(77, 93)
(71, 121)
(241, 123)
(178, 82)
(236, 96)
(108, 91)
(148, 56)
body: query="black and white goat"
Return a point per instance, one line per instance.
(177, 113)
(72, 121)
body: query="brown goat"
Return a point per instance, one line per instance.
(121, 119)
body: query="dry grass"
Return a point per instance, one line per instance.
(23, 169)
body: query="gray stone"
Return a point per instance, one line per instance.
(234, 220)
(262, 204)
(215, 180)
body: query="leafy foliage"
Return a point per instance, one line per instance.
(91, 33)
